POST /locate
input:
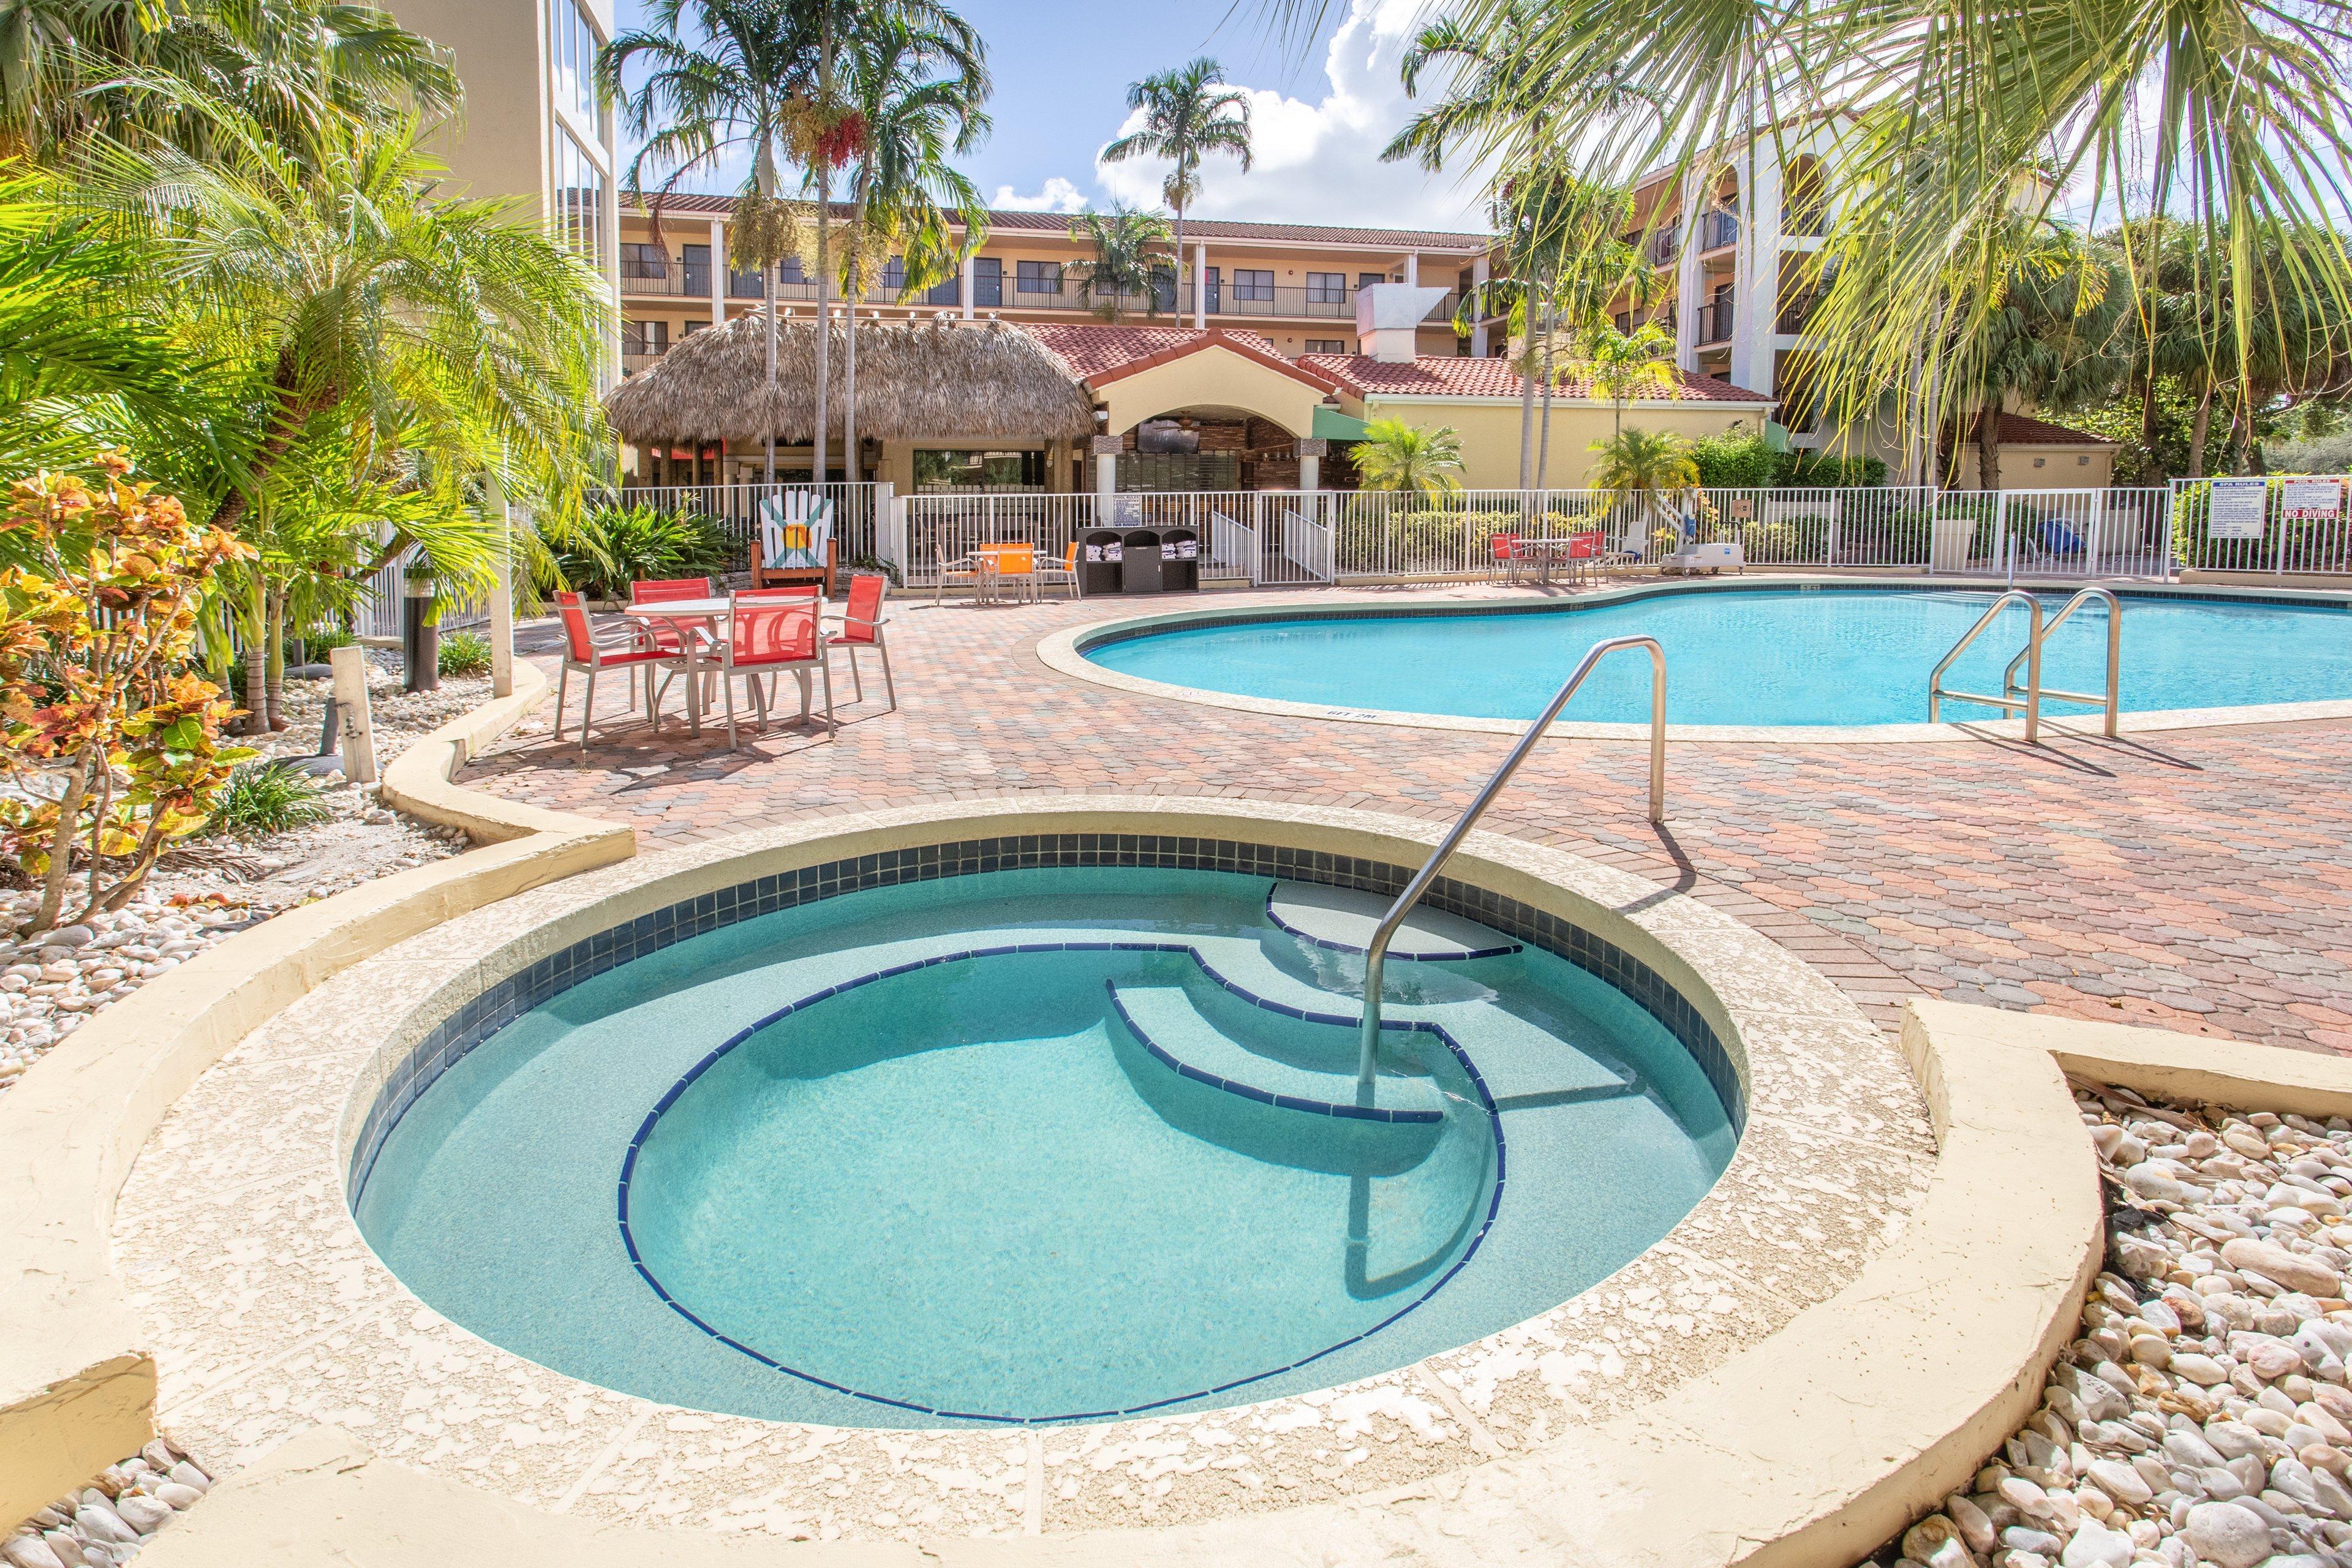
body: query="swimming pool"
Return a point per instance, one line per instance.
(1798, 655)
(1053, 1143)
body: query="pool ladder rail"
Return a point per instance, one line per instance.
(2029, 695)
(1376, 951)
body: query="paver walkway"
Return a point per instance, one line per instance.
(2198, 881)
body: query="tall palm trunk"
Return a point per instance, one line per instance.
(274, 682)
(1989, 445)
(767, 265)
(257, 657)
(2199, 427)
(1543, 444)
(824, 262)
(857, 258)
(1526, 421)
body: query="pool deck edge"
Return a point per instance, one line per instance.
(1064, 652)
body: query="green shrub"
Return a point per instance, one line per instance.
(464, 653)
(1733, 461)
(1803, 469)
(1429, 540)
(267, 797)
(319, 643)
(620, 545)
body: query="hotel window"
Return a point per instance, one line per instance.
(788, 270)
(642, 260)
(1036, 276)
(1366, 279)
(894, 277)
(1327, 345)
(579, 200)
(572, 51)
(645, 337)
(987, 281)
(1254, 283)
(1327, 288)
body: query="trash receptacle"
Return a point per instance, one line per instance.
(1138, 565)
(1179, 560)
(1099, 561)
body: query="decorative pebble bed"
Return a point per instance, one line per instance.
(107, 1523)
(2203, 1417)
(213, 887)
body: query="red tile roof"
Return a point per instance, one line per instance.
(1100, 353)
(684, 204)
(2025, 430)
(1435, 376)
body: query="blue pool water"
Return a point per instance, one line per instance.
(1784, 656)
(954, 1167)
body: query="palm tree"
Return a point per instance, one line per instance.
(2235, 117)
(904, 189)
(1395, 456)
(732, 91)
(74, 70)
(431, 343)
(1623, 365)
(1650, 468)
(1129, 246)
(1187, 113)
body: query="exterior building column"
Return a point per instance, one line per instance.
(1311, 451)
(1201, 285)
(1757, 271)
(968, 270)
(1687, 277)
(1481, 274)
(1413, 270)
(1105, 451)
(718, 273)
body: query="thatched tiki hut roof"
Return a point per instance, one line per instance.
(984, 379)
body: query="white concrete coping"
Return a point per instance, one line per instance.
(1812, 1447)
(1064, 652)
(77, 1381)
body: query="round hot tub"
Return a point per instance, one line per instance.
(1038, 1130)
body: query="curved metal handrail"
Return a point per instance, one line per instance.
(1376, 951)
(2031, 703)
(2111, 699)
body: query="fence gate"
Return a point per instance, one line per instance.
(1299, 549)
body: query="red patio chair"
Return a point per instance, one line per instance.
(1507, 554)
(769, 632)
(861, 626)
(584, 650)
(654, 590)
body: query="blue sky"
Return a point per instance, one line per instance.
(1320, 114)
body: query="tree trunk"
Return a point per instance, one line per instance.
(53, 881)
(855, 256)
(257, 657)
(1543, 442)
(771, 421)
(1989, 445)
(2241, 427)
(274, 686)
(1526, 422)
(2201, 426)
(824, 262)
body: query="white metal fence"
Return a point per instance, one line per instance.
(2275, 526)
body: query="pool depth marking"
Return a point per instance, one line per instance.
(653, 1116)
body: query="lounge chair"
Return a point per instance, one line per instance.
(861, 626)
(585, 650)
(768, 632)
(795, 543)
(1053, 574)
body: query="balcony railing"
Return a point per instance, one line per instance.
(632, 362)
(1666, 247)
(1806, 219)
(1718, 229)
(1715, 322)
(1226, 302)
(1796, 312)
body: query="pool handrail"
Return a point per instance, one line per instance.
(2031, 702)
(2111, 699)
(1376, 951)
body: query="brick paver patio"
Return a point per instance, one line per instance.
(2198, 881)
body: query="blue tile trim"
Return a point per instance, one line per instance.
(1458, 955)
(452, 1038)
(653, 1117)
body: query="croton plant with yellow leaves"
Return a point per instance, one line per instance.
(108, 740)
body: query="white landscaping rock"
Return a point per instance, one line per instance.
(2227, 1535)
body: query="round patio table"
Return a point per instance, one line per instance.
(688, 617)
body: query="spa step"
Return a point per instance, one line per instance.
(1164, 1019)
(1343, 919)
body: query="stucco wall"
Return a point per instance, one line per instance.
(1211, 378)
(2066, 467)
(1490, 431)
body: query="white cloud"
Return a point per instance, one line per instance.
(1319, 161)
(1057, 195)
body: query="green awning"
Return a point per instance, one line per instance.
(1330, 425)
